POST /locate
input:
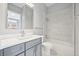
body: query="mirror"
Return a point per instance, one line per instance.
(19, 17)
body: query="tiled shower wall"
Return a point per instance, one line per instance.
(60, 27)
(60, 23)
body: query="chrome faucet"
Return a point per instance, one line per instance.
(22, 33)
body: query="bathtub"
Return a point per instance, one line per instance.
(59, 48)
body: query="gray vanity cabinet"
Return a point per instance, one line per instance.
(22, 54)
(33, 48)
(29, 48)
(38, 50)
(1, 52)
(14, 50)
(30, 52)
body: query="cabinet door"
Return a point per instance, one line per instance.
(14, 50)
(1, 52)
(30, 52)
(38, 50)
(32, 43)
(22, 54)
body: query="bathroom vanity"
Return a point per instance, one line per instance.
(21, 47)
(27, 45)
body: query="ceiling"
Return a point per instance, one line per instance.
(49, 4)
(22, 4)
(19, 4)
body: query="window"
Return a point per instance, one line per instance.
(14, 20)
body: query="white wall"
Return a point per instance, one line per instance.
(3, 14)
(27, 20)
(77, 28)
(60, 23)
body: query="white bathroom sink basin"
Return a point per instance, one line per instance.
(25, 37)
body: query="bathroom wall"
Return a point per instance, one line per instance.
(27, 19)
(3, 13)
(61, 23)
(77, 29)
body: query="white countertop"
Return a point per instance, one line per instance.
(4, 43)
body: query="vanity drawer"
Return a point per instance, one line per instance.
(1, 52)
(32, 43)
(14, 50)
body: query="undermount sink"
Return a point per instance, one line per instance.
(25, 37)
